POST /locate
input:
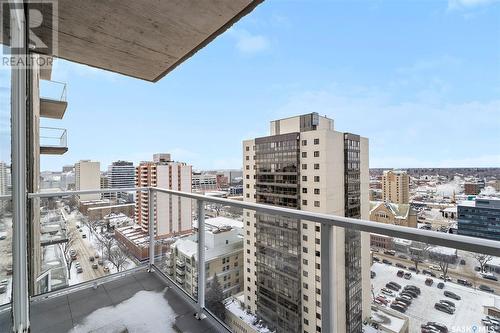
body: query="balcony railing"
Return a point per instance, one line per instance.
(160, 263)
(54, 90)
(53, 140)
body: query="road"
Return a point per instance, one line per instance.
(83, 249)
(472, 277)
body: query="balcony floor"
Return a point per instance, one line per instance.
(140, 302)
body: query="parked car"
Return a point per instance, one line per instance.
(450, 294)
(79, 269)
(444, 308)
(106, 269)
(95, 266)
(462, 262)
(403, 300)
(434, 268)
(400, 265)
(486, 288)
(100, 262)
(372, 274)
(91, 258)
(392, 287)
(429, 282)
(427, 272)
(409, 293)
(376, 259)
(398, 307)
(84, 236)
(441, 327)
(385, 261)
(390, 252)
(96, 255)
(400, 273)
(445, 278)
(440, 285)
(396, 284)
(407, 276)
(3, 288)
(382, 300)
(412, 287)
(413, 269)
(402, 256)
(464, 282)
(449, 303)
(489, 277)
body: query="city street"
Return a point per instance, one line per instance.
(84, 250)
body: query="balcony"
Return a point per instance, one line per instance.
(53, 141)
(74, 305)
(55, 106)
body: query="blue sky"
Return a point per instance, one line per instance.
(420, 79)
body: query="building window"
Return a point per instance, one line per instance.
(316, 179)
(247, 148)
(247, 167)
(316, 191)
(304, 190)
(304, 142)
(316, 153)
(316, 166)
(316, 203)
(305, 297)
(304, 249)
(317, 241)
(304, 178)
(247, 158)
(304, 261)
(316, 141)
(304, 166)
(304, 202)
(304, 226)
(304, 154)
(304, 238)
(318, 254)
(304, 273)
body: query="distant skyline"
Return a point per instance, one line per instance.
(420, 79)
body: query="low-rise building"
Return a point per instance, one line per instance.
(223, 258)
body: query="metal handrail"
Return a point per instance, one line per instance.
(472, 244)
(63, 138)
(63, 92)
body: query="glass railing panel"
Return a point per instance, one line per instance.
(455, 289)
(224, 259)
(176, 240)
(79, 238)
(5, 250)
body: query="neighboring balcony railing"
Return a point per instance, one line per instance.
(53, 140)
(160, 256)
(54, 90)
(53, 100)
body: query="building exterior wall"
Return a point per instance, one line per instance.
(480, 219)
(121, 174)
(396, 187)
(172, 213)
(312, 177)
(88, 177)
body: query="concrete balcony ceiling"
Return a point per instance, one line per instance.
(140, 38)
(54, 109)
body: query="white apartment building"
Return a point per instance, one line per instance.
(121, 174)
(223, 258)
(172, 214)
(204, 182)
(88, 177)
(396, 186)
(305, 164)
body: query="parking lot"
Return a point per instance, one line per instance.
(469, 310)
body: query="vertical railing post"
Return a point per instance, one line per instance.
(327, 289)
(19, 96)
(201, 258)
(151, 226)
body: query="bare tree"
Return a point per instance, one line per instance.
(443, 266)
(482, 259)
(66, 247)
(419, 255)
(118, 258)
(105, 246)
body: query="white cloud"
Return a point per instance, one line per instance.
(249, 43)
(467, 4)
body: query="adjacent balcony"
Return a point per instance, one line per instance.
(53, 141)
(53, 103)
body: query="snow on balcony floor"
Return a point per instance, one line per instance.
(140, 302)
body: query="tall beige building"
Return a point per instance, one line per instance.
(396, 186)
(172, 213)
(88, 177)
(305, 164)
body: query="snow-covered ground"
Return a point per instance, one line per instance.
(156, 315)
(469, 310)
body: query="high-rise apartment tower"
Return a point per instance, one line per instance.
(396, 186)
(305, 164)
